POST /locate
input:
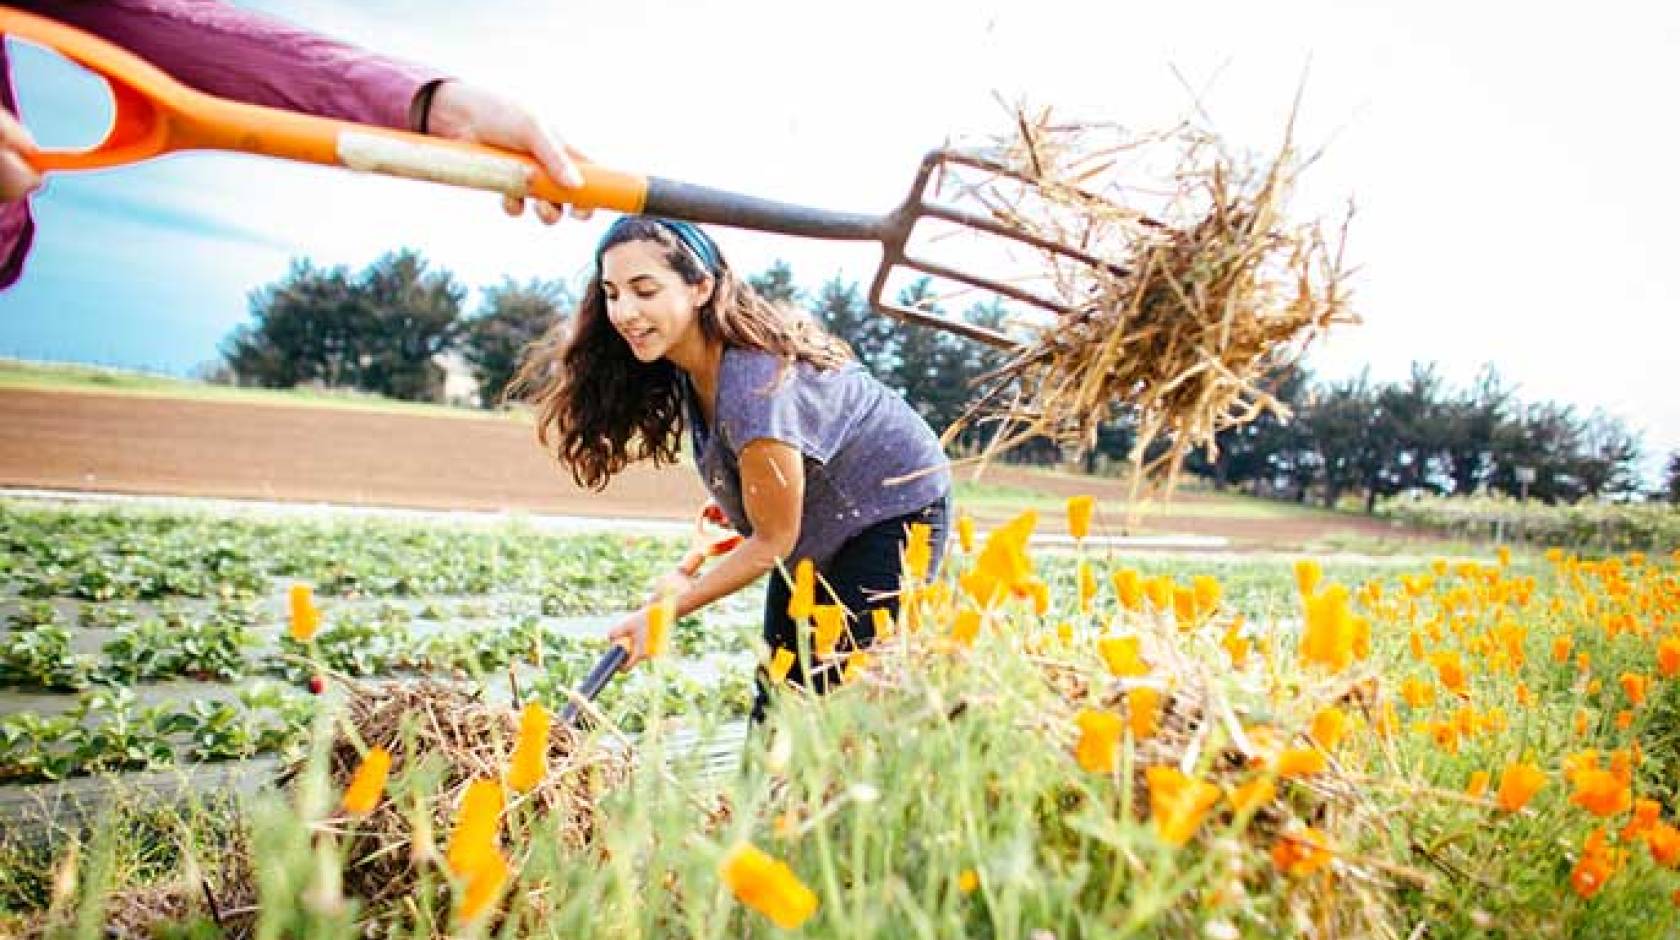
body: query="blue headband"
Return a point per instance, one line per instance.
(690, 235)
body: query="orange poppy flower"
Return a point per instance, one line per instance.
(1300, 762)
(1308, 573)
(965, 533)
(767, 886)
(1123, 656)
(1143, 711)
(827, 621)
(1079, 510)
(1128, 587)
(368, 782)
(305, 618)
(1098, 748)
(804, 594)
(529, 763)
(1301, 853)
(1518, 784)
(1177, 804)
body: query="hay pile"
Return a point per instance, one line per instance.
(1208, 291)
(451, 732)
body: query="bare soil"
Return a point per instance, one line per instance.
(169, 446)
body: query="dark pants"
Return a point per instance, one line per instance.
(862, 576)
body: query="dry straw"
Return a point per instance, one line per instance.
(1211, 287)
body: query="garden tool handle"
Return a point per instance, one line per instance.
(156, 115)
(607, 667)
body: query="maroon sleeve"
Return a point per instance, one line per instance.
(17, 229)
(233, 53)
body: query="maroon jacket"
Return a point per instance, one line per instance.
(232, 53)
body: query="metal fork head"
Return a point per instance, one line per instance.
(923, 204)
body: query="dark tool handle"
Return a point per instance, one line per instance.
(691, 203)
(603, 673)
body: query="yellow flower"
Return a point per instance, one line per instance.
(1177, 804)
(1518, 784)
(856, 663)
(1300, 762)
(965, 533)
(1184, 607)
(1098, 748)
(768, 886)
(882, 619)
(1122, 656)
(780, 664)
(1143, 711)
(1236, 645)
(483, 887)
(1450, 669)
(1159, 590)
(1079, 509)
(918, 551)
(966, 627)
(1253, 794)
(828, 620)
(529, 763)
(1207, 591)
(969, 881)
(1308, 573)
(1128, 586)
(1478, 785)
(1002, 567)
(804, 595)
(1328, 640)
(306, 619)
(1328, 728)
(1087, 587)
(659, 617)
(474, 839)
(368, 782)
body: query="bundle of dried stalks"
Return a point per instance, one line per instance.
(451, 732)
(1211, 288)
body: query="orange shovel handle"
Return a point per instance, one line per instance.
(156, 115)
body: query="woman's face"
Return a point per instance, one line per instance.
(647, 300)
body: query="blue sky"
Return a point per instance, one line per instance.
(1508, 160)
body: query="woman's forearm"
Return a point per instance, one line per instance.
(747, 563)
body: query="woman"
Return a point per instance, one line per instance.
(797, 443)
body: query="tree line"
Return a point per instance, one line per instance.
(383, 329)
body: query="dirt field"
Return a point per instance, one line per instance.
(137, 444)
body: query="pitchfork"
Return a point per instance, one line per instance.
(156, 115)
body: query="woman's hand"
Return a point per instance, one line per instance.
(632, 633)
(464, 112)
(17, 178)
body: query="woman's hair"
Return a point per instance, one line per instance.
(599, 407)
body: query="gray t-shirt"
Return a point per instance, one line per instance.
(855, 434)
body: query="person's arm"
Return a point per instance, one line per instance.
(773, 495)
(236, 53)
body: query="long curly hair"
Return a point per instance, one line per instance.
(600, 409)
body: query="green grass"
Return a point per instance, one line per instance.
(70, 377)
